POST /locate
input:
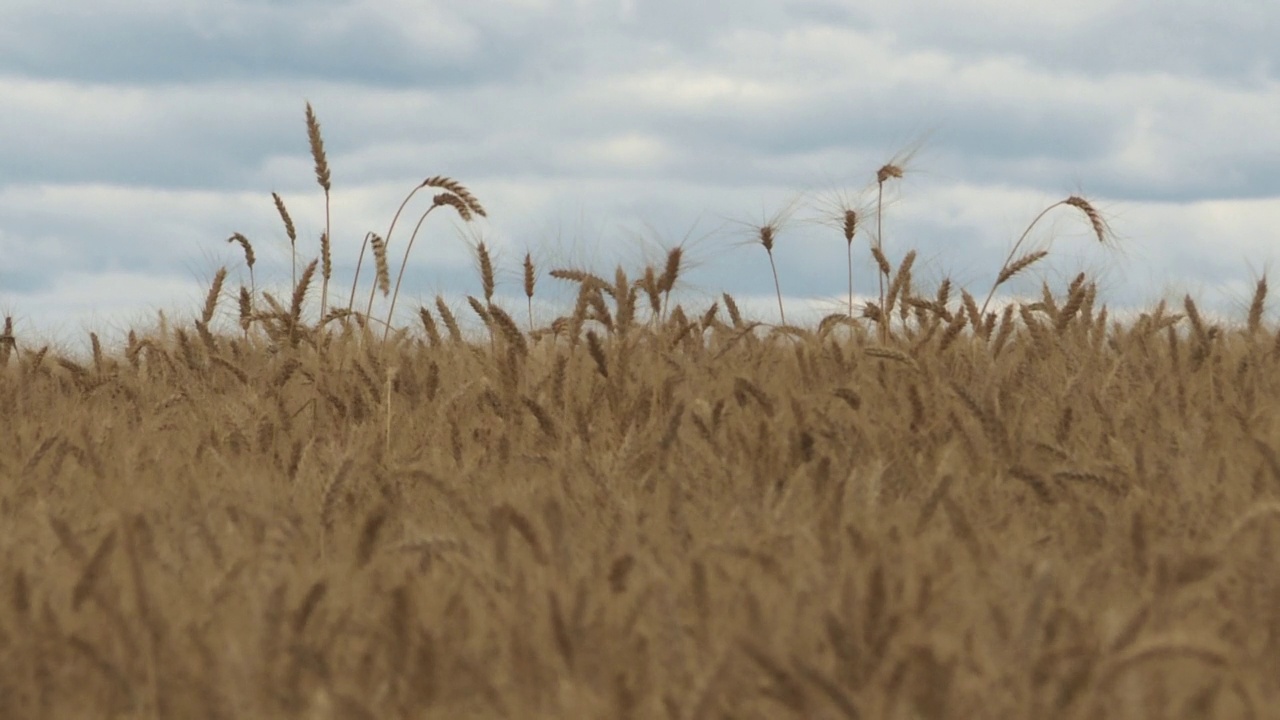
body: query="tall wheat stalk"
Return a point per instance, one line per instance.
(530, 280)
(888, 171)
(322, 177)
(457, 197)
(845, 213)
(1012, 267)
(765, 233)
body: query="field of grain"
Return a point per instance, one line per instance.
(920, 508)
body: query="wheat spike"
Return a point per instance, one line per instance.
(486, 271)
(450, 323)
(671, 271)
(317, 149)
(508, 328)
(1009, 271)
(211, 300)
(1257, 306)
(459, 191)
(382, 271)
(596, 349)
(457, 203)
(299, 296)
(429, 324)
(1095, 218)
(530, 280)
(245, 245)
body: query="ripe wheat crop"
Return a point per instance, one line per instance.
(644, 510)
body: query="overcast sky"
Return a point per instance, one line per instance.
(137, 135)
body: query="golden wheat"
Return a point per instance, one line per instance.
(689, 517)
(530, 281)
(323, 178)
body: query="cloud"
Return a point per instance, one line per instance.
(599, 131)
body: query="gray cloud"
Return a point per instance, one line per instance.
(1098, 38)
(367, 43)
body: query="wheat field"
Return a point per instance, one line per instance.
(919, 508)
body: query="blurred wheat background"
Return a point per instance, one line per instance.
(931, 504)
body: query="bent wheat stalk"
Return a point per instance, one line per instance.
(468, 207)
(1007, 270)
(458, 198)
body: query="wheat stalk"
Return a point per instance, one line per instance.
(472, 207)
(246, 310)
(891, 354)
(382, 274)
(450, 323)
(845, 215)
(480, 311)
(291, 232)
(486, 267)
(901, 281)
(670, 273)
(1075, 301)
(457, 203)
(1007, 271)
(322, 177)
(429, 324)
(249, 257)
(895, 169)
(1099, 226)
(732, 307)
(458, 191)
(530, 280)
(458, 198)
(508, 328)
(1257, 307)
(8, 343)
(295, 305)
(211, 299)
(596, 350)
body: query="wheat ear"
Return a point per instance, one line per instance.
(249, 257)
(211, 300)
(670, 273)
(7, 341)
(486, 269)
(530, 279)
(295, 306)
(381, 272)
(1257, 307)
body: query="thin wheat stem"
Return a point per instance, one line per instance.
(777, 287)
(292, 232)
(470, 205)
(400, 276)
(386, 245)
(880, 233)
(323, 178)
(1095, 221)
(850, 258)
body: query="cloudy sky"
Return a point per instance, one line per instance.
(137, 135)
